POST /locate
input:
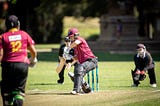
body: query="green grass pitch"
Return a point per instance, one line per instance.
(114, 84)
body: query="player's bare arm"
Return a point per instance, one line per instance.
(1, 50)
(33, 52)
(70, 64)
(75, 43)
(1, 54)
(75, 60)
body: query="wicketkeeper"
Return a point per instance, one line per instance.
(143, 64)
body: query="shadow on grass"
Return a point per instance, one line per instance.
(49, 93)
(44, 84)
(102, 56)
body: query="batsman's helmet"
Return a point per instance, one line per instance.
(12, 22)
(73, 32)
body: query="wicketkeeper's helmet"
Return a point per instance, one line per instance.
(140, 45)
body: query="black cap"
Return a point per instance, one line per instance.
(12, 21)
(140, 45)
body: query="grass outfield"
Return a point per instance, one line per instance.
(114, 84)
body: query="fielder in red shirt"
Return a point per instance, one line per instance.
(14, 45)
(87, 60)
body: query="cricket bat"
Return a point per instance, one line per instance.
(60, 65)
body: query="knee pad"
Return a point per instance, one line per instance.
(78, 70)
(18, 100)
(18, 97)
(13, 98)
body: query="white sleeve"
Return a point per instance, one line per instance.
(77, 42)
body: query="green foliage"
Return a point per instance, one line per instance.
(93, 37)
(50, 17)
(87, 28)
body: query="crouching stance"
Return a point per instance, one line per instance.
(14, 62)
(66, 61)
(143, 63)
(87, 61)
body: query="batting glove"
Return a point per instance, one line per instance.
(33, 62)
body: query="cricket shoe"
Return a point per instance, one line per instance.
(154, 85)
(75, 93)
(134, 85)
(60, 82)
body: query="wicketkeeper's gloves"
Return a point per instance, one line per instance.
(139, 75)
(33, 62)
(142, 75)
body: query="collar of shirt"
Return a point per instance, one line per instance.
(13, 29)
(141, 55)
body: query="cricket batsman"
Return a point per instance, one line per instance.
(87, 61)
(66, 61)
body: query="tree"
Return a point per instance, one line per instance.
(51, 14)
(44, 18)
(148, 10)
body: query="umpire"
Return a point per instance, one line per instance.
(143, 63)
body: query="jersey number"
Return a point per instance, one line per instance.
(16, 46)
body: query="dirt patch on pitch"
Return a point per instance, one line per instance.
(107, 98)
